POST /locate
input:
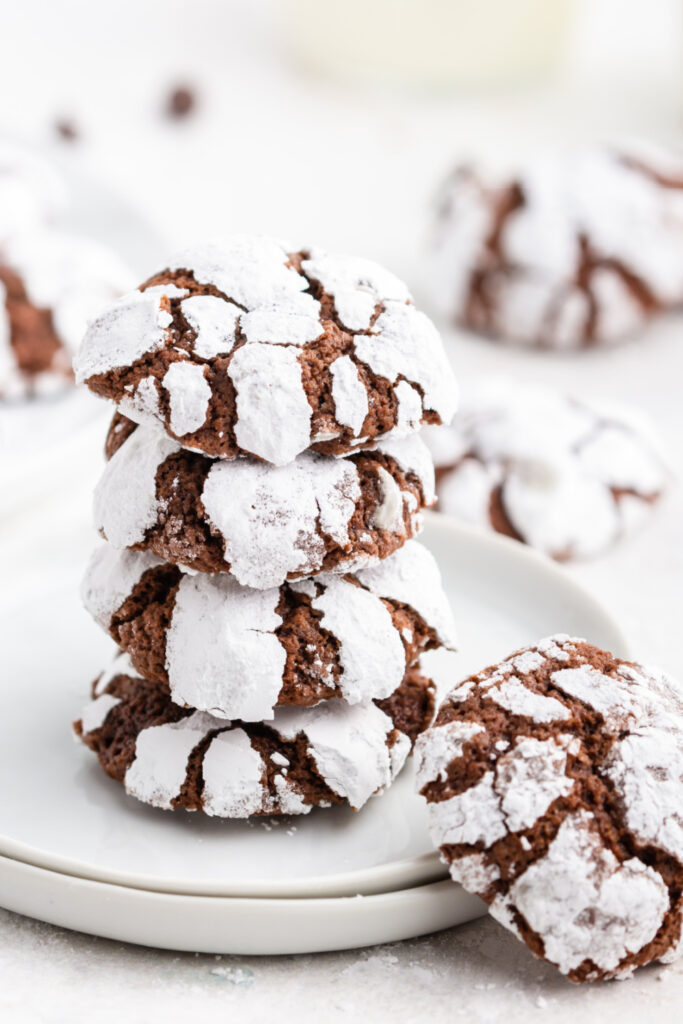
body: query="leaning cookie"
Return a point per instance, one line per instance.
(239, 653)
(51, 285)
(558, 474)
(249, 347)
(174, 757)
(554, 783)
(576, 250)
(262, 523)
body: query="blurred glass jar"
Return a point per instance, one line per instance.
(430, 43)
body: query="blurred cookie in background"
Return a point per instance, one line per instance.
(52, 284)
(576, 250)
(32, 193)
(560, 475)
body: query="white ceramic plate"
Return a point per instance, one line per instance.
(66, 815)
(224, 924)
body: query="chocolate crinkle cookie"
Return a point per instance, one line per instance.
(577, 249)
(239, 653)
(175, 758)
(260, 522)
(250, 346)
(554, 783)
(555, 473)
(51, 285)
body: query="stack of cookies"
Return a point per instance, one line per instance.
(263, 486)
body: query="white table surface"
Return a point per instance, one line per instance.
(273, 150)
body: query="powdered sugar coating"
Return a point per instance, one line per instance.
(273, 413)
(188, 397)
(350, 397)
(272, 522)
(354, 752)
(248, 309)
(567, 478)
(585, 904)
(222, 651)
(128, 329)
(348, 745)
(584, 811)
(125, 503)
(580, 248)
(269, 516)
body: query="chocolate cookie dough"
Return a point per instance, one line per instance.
(238, 653)
(51, 285)
(576, 250)
(262, 523)
(174, 757)
(252, 347)
(554, 783)
(558, 474)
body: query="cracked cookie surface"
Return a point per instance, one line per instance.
(172, 757)
(576, 250)
(554, 784)
(559, 474)
(249, 347)
(238, 653)
(260, 522)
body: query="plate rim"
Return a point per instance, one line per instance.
(229, 925)
(392, 876)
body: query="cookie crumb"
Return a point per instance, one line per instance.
(181, 102)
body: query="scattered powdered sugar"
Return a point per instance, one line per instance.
(271, 517)
(126, 504)
(351, 404)
(273, 411)
(189, 395)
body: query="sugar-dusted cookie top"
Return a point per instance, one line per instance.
(238, 653)
(262, 523)
(174, 757)
(561, 475)
(51, 285)
(577, 249)
(554, 783)
(248, 347)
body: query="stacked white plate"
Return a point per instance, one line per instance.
(76, 851)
